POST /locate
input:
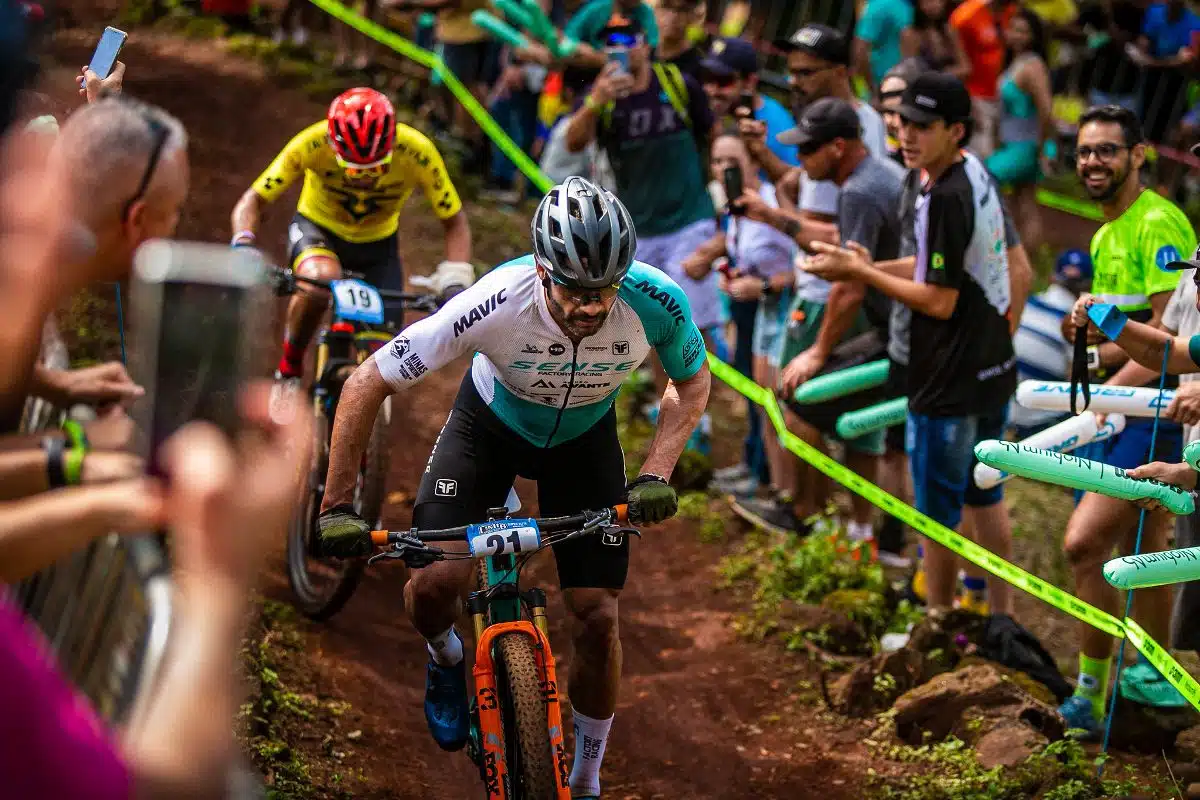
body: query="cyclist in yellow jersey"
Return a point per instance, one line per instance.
(359, 167)
(1133, 253)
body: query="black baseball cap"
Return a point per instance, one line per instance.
(933, 96)
(822, 41)
(823, 121)
(729, 56)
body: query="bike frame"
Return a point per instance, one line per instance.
(502, 598)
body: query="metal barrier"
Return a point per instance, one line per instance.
(106, 610)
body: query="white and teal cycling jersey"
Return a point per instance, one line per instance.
(532, 376)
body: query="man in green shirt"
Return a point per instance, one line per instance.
(1133, 254)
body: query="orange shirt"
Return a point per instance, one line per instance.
(979, 30)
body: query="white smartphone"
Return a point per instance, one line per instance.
(200, 317)
(107, 50)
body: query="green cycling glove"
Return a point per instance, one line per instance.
(651, 500)
(344, 534)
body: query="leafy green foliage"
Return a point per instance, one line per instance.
(1060, 771)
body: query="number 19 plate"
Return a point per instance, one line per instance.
(358, 301)
(504, 537)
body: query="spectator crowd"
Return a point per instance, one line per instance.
(879, 204)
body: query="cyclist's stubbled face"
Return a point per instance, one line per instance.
(580, 313)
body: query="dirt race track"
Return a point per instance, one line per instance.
(703, 714)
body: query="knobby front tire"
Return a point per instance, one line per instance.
(531, 767)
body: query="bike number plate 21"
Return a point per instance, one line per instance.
(504, 537)
(358, 301)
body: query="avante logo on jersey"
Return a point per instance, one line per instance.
(662, 297)
(479, 312)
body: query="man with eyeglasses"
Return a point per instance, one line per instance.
(1132, 255)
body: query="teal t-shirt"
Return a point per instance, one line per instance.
(588, 21)
(880, 26)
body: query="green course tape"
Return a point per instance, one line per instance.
(1158, 656)
(939, 533)
(872, 418)
(843, 382)
(1154, 569)
(499, 29)
(1074, 472)
(427, 59)
(1060, 202)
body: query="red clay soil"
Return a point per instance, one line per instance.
(702, 714)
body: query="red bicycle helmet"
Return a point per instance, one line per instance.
(362, 127)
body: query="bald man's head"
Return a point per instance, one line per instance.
(125, 165)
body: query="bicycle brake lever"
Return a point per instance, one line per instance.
(623, 531)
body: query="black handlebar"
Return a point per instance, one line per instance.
(285, 283)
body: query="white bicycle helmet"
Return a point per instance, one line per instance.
(583, 235)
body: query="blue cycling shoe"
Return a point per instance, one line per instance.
(446, 709)
(1077, 711)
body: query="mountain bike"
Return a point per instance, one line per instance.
(517, 738)
(323, 585)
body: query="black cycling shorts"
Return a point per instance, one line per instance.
(476, 458)
(378, 262)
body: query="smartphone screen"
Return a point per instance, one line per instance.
(197, 339)
(107, 51)
(621, 56)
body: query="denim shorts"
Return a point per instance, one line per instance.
(941, 456)
(770, 326)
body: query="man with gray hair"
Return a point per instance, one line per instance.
(121, 166)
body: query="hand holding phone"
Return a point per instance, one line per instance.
(620, 57)
(734, 187)
(104, 58)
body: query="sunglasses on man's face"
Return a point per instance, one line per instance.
(161, 133)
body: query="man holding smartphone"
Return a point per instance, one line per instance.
(654, 122)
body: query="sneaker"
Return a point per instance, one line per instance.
(446, 709)
(1076, 710)
(895, 560)
(768, 514)
(737, 472)
(1144, 684)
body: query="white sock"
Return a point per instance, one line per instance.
(860, 531)
(590, 737)
(446, 648)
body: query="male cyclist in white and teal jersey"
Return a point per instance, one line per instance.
(553, 335)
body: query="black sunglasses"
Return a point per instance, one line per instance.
(161, 134)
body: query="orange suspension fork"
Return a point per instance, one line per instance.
(491, 730)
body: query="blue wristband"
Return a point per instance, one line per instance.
(1109, 319)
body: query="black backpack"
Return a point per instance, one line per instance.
(1006, 642)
